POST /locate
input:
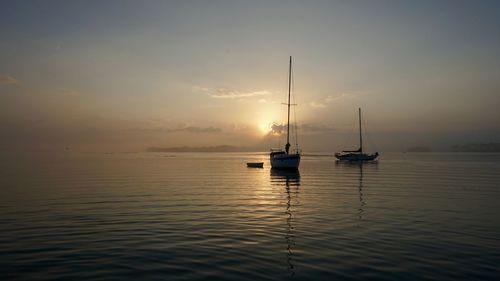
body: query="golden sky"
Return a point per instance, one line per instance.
(120, 75)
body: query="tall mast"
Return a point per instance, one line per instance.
(287, 146)
(360, 137)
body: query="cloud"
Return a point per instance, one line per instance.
(7, 80)
(327, 100)
(225, 93)
(316, 128)
(317, 104)
(209, 130)
(200, 89)
(279, 129)
(189, 129)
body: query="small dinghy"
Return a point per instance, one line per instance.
(255, 164)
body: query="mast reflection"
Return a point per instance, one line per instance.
(361, 201)
(291, 181)
(358, 168)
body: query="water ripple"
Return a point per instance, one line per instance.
(209, 217)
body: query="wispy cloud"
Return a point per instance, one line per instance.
(6, 79)
(209, 130)
(317, 104)
(316, 128)
(278, 129)
(327, 100)
(225, 93)
(189, 129)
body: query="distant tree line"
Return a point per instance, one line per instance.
(218, 148)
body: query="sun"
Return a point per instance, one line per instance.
(266, 117)
(264, 128)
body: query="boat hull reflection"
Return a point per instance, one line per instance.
(285, 177)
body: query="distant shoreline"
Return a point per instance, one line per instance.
(477, 147)
(217, 148)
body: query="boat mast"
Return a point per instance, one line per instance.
(360, 137)
(287, 146)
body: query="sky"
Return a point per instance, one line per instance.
(128, 75)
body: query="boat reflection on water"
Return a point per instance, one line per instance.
(290, 179)
(357, 168)
(285, 177)
(360, 188)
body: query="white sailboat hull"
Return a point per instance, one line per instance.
(285, 161)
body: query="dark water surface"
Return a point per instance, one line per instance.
(206, 216)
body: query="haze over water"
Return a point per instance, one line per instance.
(201, 216)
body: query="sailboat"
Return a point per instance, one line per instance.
(356, 155)
(285, 159)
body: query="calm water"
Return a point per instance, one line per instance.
(165, 216)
